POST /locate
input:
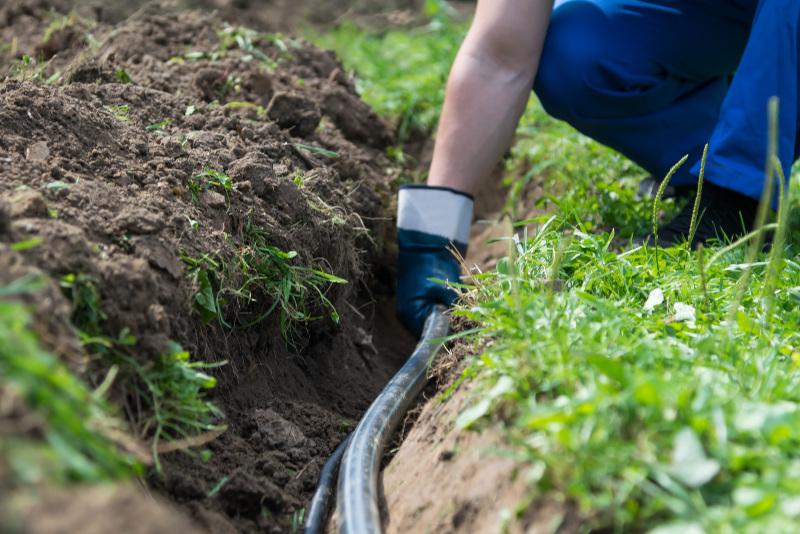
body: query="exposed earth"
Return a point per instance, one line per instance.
(111, 156)
(113, 139)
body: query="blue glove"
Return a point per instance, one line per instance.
(430, 220)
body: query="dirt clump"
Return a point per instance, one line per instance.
(170, 157)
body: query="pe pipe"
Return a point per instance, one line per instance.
(320, 504)
(357, 493)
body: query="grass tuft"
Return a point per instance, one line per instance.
(82, 437)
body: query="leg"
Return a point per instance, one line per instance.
(769, 67)
(645, 77)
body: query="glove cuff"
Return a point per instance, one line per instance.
(441, 213)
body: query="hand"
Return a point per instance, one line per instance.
(418, 265)
(430, 223)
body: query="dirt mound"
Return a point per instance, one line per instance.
(213, 185)
(264, 15)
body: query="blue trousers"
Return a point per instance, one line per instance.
(658, 79)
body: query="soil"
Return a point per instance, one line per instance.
(104, 189)
(97, 172)
(446, 480)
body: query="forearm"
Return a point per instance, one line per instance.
(486, 95)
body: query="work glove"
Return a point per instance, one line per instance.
(430, 221)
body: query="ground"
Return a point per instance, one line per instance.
(196, 251)
(189, 176)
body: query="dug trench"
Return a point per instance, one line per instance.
(175, 181)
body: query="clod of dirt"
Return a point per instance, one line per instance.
(357, 121)
(295, 113)
(255, 169)
(25, 203)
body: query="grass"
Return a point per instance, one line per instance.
(260, 281)
(209, 179)
(164, 398)
(82, 436)
(657, 389)
(250, 44)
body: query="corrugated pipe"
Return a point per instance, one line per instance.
(357, 492)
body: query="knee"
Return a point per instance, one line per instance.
(572, 54)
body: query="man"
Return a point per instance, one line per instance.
(653, 79)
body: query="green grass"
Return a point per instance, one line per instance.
(656, 389)
(209, 179)
(260, 281)
(594, 187)
(164, 398)
(80, 432)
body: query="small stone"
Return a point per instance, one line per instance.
(26, 204)
(212, 199)
(278, 433)
(38, 151)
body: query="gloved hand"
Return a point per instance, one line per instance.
(430, 220)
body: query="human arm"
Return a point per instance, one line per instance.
(489, 85)
(488, 88)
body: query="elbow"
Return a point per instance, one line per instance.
(504, 55)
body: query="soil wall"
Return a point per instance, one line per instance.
(108, 151)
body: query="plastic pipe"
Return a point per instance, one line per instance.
(320, 504)
(357, 498)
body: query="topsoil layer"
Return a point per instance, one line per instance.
(96, 170)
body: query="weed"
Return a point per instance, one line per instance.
(260, 111)
(233, 84)
(297, 519)
(697, 197)
(204, 272)
(294, 289)
(27, 69)
(316, 150)
(122, 76)
(242, 38)
(27, 244)
(207, 179)
(172, 388)
(262, 280)
(165, 396)
(160, 125)
(58, 24)
(120, 112)
(80, 430)
(657, 202)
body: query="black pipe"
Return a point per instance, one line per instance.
(357, 501)
(320, 504)
(357, 498)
